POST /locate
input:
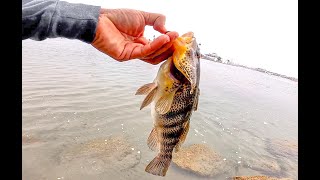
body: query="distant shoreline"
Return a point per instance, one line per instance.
(213, 57)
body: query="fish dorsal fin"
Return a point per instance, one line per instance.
(145, 89)
(183, 135)
(196, 100)
(149, 98)
(153, 140)
(163, 105)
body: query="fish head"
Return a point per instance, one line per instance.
(186, 58)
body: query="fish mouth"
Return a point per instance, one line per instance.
(176, 74)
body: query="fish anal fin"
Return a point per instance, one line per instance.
(149, 98)
(153, 140)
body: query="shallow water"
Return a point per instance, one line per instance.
(81, 119)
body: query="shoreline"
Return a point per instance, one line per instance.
(213, 57)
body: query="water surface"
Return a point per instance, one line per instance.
(78, 104)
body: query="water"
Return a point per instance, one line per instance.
(81, 119)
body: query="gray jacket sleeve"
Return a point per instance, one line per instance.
(43, 19)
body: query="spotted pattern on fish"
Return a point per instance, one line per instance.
(170, 90)
(185, 63)
(171, 123)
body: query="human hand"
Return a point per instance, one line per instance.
(119, 34)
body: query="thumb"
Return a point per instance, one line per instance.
(156, 20)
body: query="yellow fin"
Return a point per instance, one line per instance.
(163, 105)
(145, 89)
(153, 140)
(183, 135)
(149, 98)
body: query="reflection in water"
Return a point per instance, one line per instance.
(81, 119)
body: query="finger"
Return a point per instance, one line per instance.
(142, 51)
(141, 40)
(160, 58)
(173, 35)
(163, 49)
(156, 20)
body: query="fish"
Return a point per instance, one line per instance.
(173, 96)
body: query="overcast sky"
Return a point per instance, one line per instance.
(256, 33)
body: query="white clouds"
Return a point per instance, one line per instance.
(255, 33)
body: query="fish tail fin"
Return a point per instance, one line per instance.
(158, 166)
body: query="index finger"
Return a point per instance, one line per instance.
(145, 50)
(156, 20)
(158, 59)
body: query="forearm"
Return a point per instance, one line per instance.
(43, 19)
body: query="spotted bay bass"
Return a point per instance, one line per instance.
(173, 96)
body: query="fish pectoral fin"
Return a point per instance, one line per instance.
(196, 100)
(145, 89)
(149, 98)
(153, 140)
(183, 135)
(163, 105)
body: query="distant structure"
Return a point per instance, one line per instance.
(215, 58)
